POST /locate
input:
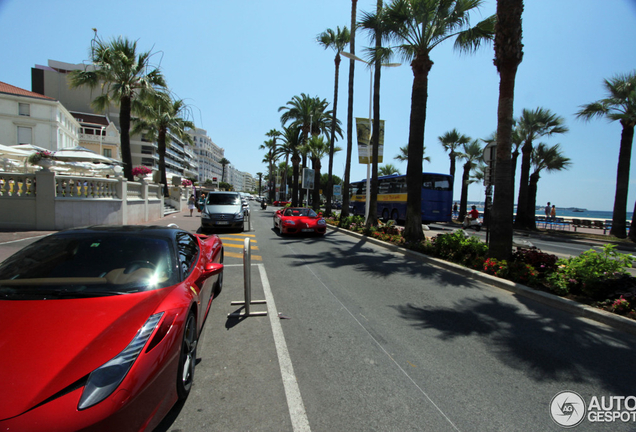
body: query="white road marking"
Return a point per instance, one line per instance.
(297, 412)
(307, 266)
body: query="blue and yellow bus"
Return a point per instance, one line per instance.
(437, 197)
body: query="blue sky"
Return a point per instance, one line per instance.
(236, 63)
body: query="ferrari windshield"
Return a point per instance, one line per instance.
(302, 211)
(88, 265)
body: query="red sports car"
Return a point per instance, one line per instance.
(299, 220)
(100, 326)
(280, 203)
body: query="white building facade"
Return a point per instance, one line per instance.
(208, 156)
(31, 118)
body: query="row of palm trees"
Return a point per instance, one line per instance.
(146, 105)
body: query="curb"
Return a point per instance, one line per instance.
(577, 309)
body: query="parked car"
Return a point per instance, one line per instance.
(222, 210)
(280, 203)
(299, 220)
(100, 326)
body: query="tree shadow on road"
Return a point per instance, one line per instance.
(547, 344)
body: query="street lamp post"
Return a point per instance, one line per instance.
(368, 194)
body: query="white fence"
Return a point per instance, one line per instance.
(48, 201)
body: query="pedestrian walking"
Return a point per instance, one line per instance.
(548, 211)
(455, 212)
(553, 213)
(191, 204)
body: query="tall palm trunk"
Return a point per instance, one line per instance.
(329, 191)
(463, 201)
(316, 192)
(522, 220)
(622, 182)
(508, 55)
(295, 163)
(532, 197)
(347, 174)
(161, 144)
(124, 122)
(373, 197)
(421, 66)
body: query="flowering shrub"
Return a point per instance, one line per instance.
(621, 305)
(542, 262)
(456, 247)
(140, 171)
(36, 157)
(186, 182)
(592, 273)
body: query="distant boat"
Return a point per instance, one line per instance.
(578, 210)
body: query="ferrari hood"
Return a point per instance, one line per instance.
(47, 345)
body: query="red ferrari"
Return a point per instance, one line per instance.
(299, 220)
(280, 203)
(100, 326)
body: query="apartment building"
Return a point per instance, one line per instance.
(208, 155)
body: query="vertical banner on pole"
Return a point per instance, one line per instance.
(365, 151)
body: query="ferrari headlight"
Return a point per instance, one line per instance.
(321, 222)
(103, 381)
(289, 222)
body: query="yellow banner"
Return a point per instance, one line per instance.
(365, 151)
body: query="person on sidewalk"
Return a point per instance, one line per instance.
(547, 211)
(553, 213)
(191, 204)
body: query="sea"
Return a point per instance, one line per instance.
(570, 213)
(586, 214)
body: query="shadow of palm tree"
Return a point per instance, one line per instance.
(545, 343)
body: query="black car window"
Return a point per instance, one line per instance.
(224, 199)
(88, 264)
(188, 251)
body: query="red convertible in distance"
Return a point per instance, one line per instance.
(280, 203)
(299, 220)
(101, 325)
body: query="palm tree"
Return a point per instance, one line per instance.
(292, 141)
(336, 40)
(472, 154)
(531, 126)
(619, 105)
(270, 158)
(403, 156)
(260, 180)
(544, 158)
(161, 115)
(317, 148)
(508, 55)
(418, 26)
(125, 77)
(347, 174)
(224, 162)
(310, 115)
(451, 141)
(388, 169)
(374, 23)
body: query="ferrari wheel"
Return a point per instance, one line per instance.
(187, 358)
